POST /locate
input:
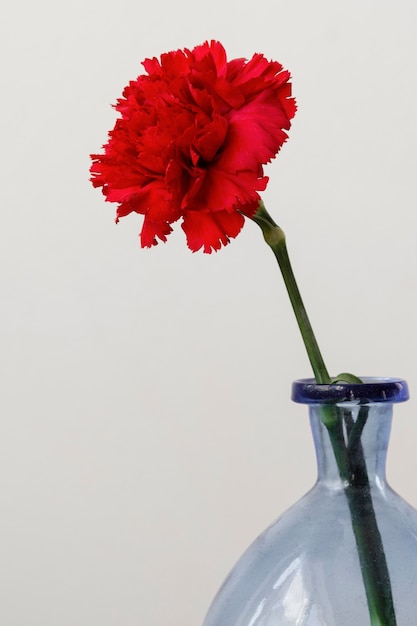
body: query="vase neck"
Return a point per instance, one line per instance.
(364, 430)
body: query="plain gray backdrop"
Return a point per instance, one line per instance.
(147, 433)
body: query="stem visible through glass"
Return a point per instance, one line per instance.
(349, 455)
(353, 472)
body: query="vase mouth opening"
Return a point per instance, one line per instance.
(373, 389)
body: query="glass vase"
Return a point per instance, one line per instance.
(346, 553)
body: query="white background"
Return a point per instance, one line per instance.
(147, 433)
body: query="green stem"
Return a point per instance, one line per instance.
(349, 457)
(275, 238)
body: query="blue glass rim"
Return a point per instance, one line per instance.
(307, 391)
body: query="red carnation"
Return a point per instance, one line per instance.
(191, 140)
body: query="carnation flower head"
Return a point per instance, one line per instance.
(190, 143)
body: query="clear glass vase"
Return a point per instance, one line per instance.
(346, 553)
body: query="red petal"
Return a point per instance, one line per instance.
(255, 134)
(210, 137)
(152, 230)
(209, 231)
(223, 190)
